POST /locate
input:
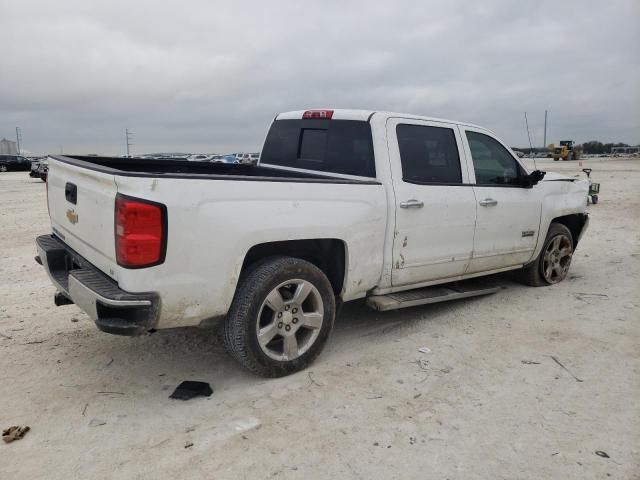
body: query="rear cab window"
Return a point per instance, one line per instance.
(332, 146)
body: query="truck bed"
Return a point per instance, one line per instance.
(215, 214)
(178, 168)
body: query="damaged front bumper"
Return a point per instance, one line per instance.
(112, 309)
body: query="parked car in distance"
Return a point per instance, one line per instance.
(14, 163)
(198, 158)
(39, 169)
(243, 158)
(33, 173)
(343, 205)
(247, 158)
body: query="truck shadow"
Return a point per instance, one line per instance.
(159, 361)
(356, 318)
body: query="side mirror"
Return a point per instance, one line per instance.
(533, 178)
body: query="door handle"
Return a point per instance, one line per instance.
(488, 202)
(412, 204)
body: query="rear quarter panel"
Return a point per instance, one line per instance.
(213, 223)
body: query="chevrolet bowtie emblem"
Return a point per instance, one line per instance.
(72, 216)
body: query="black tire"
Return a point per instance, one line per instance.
(594, 199)
(4, 168)
(240, 327)
(532, 274)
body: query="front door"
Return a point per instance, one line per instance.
(508, 219)
(435, 210)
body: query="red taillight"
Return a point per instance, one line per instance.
(140, 232)
(319, 114)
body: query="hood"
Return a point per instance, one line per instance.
(556, 177)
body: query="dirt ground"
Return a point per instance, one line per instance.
(488, 401)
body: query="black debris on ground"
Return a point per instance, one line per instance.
(190, 389)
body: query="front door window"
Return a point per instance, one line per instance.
(492, 163)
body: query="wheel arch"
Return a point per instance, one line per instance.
(328, 254)
(575, 222)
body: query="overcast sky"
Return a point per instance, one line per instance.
(205, 76)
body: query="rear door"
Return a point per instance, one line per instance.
(435, 204)
(508, 213)
(81, 207)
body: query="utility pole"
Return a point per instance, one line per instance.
(129, 136)
(19, 140)
(545, 129)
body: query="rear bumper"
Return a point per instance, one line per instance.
(112, 309)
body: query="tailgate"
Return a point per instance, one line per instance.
(81, 207)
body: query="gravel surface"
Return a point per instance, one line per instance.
(526, 383)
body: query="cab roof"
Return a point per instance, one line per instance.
(366, 115)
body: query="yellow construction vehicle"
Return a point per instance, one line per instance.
(567, 150)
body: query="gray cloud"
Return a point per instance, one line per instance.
(197, 76)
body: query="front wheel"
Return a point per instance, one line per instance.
(552, 265)
(281, 316)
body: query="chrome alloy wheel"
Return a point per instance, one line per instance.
(289, 320)
(557, 259)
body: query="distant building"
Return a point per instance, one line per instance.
(7, 147)
(625, 150)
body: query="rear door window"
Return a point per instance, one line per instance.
(428, 154)
(333, 146)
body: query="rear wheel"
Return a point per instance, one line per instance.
(594, 199)
(3, 168)
(281, 317)
(552, 265)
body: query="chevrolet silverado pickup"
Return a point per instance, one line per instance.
(399, 209)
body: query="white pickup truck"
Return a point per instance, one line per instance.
(343, 204)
